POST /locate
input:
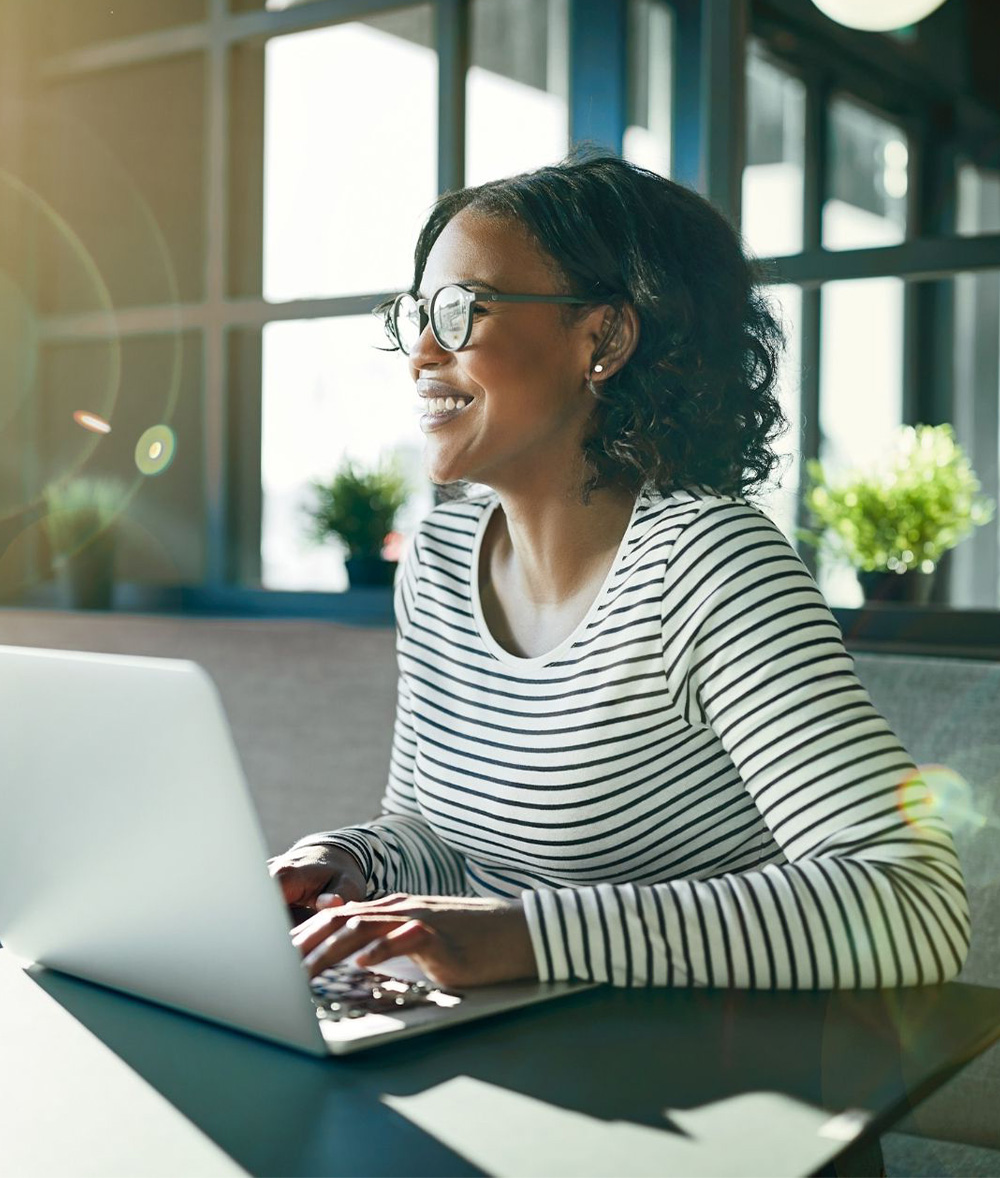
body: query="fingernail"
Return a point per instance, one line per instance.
(329, 898)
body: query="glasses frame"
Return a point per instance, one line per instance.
(425, 310)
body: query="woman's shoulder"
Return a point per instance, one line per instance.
(694, 507)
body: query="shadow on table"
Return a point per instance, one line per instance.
(633, 1057)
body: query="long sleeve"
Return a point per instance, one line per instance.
(398, 851)
(861, 886)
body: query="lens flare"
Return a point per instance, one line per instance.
(949, 796)
(155, 450)
(92, 421)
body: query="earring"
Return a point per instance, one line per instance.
(598, 367)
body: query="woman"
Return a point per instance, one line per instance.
(629, 745)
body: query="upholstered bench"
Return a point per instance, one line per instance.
(311, 706)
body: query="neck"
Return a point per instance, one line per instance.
(548, 549)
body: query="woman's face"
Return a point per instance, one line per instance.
(523, 368)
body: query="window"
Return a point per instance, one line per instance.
(326, 177)
(869, 179)
(648, 133)
(775, 159)
(328, 394)
(517, 105)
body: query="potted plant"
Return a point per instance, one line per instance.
(80, 523)
(893, 521)
(359, 507)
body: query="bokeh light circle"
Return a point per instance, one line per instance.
(154, 450)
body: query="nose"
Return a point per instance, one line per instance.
(426, 352)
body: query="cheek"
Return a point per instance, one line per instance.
(513, 366)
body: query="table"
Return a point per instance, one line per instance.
(602, 1082)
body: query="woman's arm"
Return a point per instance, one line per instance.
(865, 890)
(399, 852)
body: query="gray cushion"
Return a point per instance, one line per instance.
(946, 713)
(311, 704)
(907, 1156)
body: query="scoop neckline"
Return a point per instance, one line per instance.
(486, 635)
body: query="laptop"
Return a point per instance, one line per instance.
(131, 856)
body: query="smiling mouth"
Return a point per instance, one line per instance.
(443, 406)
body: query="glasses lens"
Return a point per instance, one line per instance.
(406, 322)
(450, 313)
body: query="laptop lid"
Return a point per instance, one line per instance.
(130, 853)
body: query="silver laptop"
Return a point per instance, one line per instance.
(131, 856)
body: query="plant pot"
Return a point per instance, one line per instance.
(87, 577)
(912, 587)
(367, 572)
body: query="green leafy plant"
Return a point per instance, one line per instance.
(902, 513)
(358, 507)
(79, 510)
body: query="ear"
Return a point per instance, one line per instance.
(615, 342)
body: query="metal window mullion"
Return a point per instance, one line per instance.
(214, 380)
(598, 94)
(814, 191)
(452, 30)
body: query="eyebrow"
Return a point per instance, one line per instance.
(474, 282)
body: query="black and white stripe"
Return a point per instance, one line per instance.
(692, 789)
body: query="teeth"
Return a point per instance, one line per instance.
(437, 405)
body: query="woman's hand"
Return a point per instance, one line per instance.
(306, 872)
(456, 941)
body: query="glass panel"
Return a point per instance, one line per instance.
(775, 166)
(130, 385)
(328, 394)
(976, 561)
(115, 164)
(58, 26)
(344, 197)
(978, 200)
(868, 179)
(517, 87)
(780, 501)
(647, 139)
(861, 389)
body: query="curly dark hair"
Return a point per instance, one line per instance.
(696, 402)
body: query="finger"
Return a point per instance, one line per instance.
(341, 944)
(408, 938)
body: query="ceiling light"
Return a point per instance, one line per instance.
(877, 15)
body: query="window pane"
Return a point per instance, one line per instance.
(861, 388)
(976, 560)
(647, 140)
(117, 158)
(132, 384)
(775, 167)
(517, 108)
(344, 197)
(868, 180)
(780, 501)
(328, 394)
(978, 200)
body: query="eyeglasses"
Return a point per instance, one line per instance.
(449, 311)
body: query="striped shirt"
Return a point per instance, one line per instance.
(692, 789)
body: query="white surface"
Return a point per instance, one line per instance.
(499, 1131)
(69, 1106)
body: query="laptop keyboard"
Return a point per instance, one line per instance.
(346, 991)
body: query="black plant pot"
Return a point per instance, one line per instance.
(912, 587)
(367, 572)
(87, 578)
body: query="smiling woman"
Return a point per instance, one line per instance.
(629, 746)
